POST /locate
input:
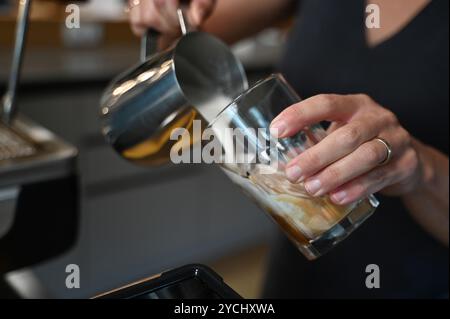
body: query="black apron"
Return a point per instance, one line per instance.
(408, 73)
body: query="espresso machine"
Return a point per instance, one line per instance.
(38, 185)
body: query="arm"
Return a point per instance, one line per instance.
(233, 20)
(429, 202)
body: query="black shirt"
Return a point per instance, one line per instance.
(409, 74)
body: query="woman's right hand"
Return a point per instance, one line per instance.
(161, 15)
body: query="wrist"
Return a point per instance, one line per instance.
(427, 170)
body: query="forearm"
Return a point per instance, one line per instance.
(429, 202)
(234, 20)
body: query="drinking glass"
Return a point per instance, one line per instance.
(256, 161)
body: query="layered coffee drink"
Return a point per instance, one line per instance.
(308, 221)
(312, 216)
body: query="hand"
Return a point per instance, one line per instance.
(346, 164)
(162, 15)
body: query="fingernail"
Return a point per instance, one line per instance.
(278, 128)
(294, 173)
(313, 187)
(339, 197)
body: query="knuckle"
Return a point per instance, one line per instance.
(360, 189)
(310, 159)
(350, 137)
(365, 99)
(373, 153)
(389, 117)
(411, 163)
(378, 176)
(405, 136)
(333, 175)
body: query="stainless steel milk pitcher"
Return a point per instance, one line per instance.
(197, 73)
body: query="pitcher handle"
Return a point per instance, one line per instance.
(149, 41)
(149, 44)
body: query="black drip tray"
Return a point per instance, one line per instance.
(30, 153)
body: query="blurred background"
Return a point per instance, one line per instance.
(123, 222)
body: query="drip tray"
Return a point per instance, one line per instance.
(30, 153)
(13, 146)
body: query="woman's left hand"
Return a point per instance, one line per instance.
(346, 164)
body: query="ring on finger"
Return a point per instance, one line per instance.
(388, 151)
(132, 5)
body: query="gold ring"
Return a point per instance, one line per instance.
(388, 151)
(132, 5)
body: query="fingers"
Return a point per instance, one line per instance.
(167, 13)
(157, 14)
(135, 18)
(200, 10)
(377, 180)
(364, 185)
(334, 126)
(335, 146)
(321, 177)
(360, 162)
(161, 15)
(319, 108)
